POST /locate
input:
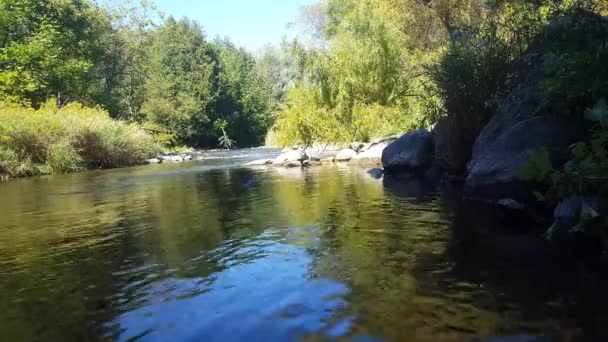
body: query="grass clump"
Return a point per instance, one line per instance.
(52, 140)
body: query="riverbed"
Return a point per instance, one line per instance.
(213, 251)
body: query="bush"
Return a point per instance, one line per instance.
(59, 140)
(469, 75)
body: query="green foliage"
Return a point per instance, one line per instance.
(49, 48)
(584, 176)
(67, 139)
(179, 80)
(119, 57)
(366, 80)
(539, 166)
(468, 76)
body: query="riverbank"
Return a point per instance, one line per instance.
(54, 140)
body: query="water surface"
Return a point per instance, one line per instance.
(210, 251)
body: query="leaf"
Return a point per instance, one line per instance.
(579, 151)
(539, 166)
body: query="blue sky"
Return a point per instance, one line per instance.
(248, 23)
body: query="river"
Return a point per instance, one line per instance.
(211, 251)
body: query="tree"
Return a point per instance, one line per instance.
(179, 88)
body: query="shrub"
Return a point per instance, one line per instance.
(468, 76)
(59, 140)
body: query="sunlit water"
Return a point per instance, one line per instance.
(210, 251)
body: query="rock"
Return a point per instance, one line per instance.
(260, 162)
(567, 211)
(313, 156)
(251, 184)
(493, 168)
(345, 155)
(196, 155)
(373, 154)
(294, 164)
(311, 162)
(376, 173)
(186, 157)
(357, 146)
(526, 118)
(510, 204)
(175, 159)
(290, 158)
(386, 140)
(413, 152)
(153, 161)
(328, 160)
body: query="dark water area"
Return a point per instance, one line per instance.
(211, 251)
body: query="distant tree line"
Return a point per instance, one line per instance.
(161, 72)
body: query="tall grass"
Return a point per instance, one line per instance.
(52, 140)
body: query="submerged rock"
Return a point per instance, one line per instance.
(345, 155)
(410, 187)
(413, 152)
(376, 173)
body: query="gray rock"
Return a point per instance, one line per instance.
(372, 153)
(175, 159)
(386, 140)
(376, 173)
(345, 155)
(357, 146)
(313, 156)
(567, 211)
(498, 154)
(510, 204)
(413, 152)
(526, 117)
(153, 161)
(260, 162)
(290, 158)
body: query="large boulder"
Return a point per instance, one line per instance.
(413, 152)
(291, 158)
(493, 169)
(528, 117)
(345, 155)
